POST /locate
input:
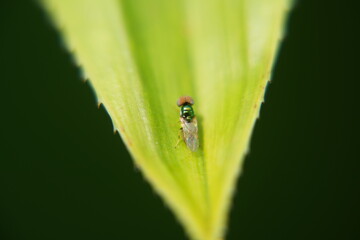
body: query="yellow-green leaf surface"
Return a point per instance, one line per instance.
(141, 55)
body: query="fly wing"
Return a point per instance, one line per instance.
(190, 134)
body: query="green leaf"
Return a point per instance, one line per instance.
(140, 56)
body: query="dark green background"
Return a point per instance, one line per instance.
(65, 175)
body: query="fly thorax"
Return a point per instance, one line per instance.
(187, 113)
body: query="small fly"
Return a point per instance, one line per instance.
(188, 121)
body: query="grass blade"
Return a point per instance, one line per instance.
(140, 56)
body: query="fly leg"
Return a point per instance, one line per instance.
(180, 137)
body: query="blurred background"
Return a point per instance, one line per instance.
(65, 175)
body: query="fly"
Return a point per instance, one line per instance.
(188, 121)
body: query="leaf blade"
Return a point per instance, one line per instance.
(140, 56)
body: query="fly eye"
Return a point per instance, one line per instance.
(179, 102)
(184, 100)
